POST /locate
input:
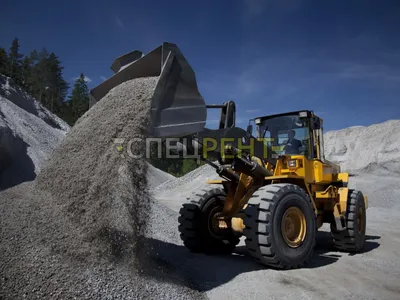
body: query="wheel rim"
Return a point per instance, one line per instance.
(214, 224)
(293, 227)
(360, 220)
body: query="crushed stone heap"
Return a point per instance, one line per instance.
(88, 176)
(81, 231)
(28, 134)
(371, 149)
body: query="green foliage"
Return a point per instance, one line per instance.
(46, 82)
(26, 71)
(188, 165)
(57, 86)
(4, 62)
(79, 100)
(15, 61)
(40, 74)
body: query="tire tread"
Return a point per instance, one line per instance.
(346, 240)
(257, 241)
(190, 224)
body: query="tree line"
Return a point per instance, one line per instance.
(40, 74)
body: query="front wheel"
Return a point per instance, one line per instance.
(280, 226)
(200, 229)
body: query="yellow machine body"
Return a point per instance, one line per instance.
(326, 186)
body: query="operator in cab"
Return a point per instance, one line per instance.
(293, 145)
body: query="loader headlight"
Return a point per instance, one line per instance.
(292, 163)
(303, 114)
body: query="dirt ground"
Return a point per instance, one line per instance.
(372, 274)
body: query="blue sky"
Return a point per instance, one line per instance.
(338, 58)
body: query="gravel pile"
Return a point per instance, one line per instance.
(28, 134)
(197, 176)
(15, 94)
(84, 231)
(156, 177)
(374, 149)
(382, 191)
(31, 269)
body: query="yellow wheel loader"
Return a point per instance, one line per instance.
(276, 188)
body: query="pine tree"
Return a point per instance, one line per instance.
(47, 82)
(66, 113)
(34, 80)
(79, 100)
(4, 62)
(26, 71)
(40, 74)
(57, 86)
(15, 59)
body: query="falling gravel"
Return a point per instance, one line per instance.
(83, 231)
(97, 184)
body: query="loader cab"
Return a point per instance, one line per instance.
(293, 133)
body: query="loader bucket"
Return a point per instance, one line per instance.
(177, 107)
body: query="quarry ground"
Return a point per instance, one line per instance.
(372, 274)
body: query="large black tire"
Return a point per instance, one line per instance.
(263, 226)
(195, 227)
(352, 239)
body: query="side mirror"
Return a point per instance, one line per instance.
(315, 123)
(250, 129)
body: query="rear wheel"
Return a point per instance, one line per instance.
(280, 226)
(352, 239)
(200, 229)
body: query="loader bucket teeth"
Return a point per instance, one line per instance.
(177, 107)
